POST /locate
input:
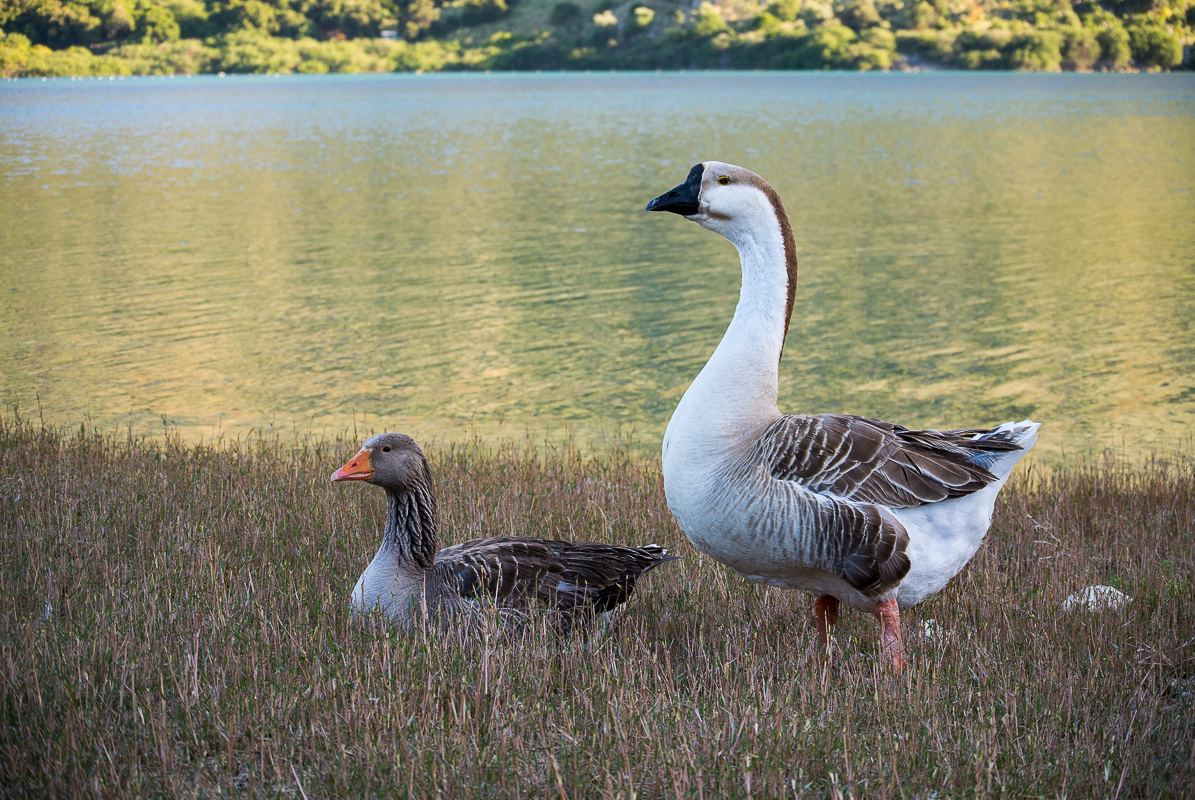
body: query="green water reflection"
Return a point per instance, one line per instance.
(438, 252)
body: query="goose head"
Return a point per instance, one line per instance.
(744, 208)
(390, 460)
(726, 199)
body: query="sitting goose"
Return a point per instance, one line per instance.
(411, 573)
(849, 509)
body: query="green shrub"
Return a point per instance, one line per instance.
(1115, 52)
(1036, 50)
(675, 36)
(881, 38)
(1155, 47)
(317, 58)
(864, 57)
(192, 18)
(932, 45)
(432, 55)
(251, 51)
(709, 21)
(14, 54)
(827, 46)
(565, 14)
(247, 51)
(356, 19)
(182, 57)
(312, 67)
(816, 12)
(1080, 49)
(118, 18)
(605, 19)
(52, 23)
(859, 14)
(786, 10)
(796, 51)
(990, 39)
(981, 59)
(157, 24)
(643, 16)
(44, 62)
(874, 49)
(478, 12)
(922, 16)
(253, 15)
(416, 17)
(982, 49)
(765, 22)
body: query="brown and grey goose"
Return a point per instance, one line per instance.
(411, 576)
(849, 509)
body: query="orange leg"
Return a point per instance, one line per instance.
(825, 611)
(890, 644)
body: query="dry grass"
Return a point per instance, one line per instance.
(173, 621)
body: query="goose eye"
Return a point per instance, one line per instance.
(723, 180)
(386, 449)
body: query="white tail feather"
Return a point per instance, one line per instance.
(1023, 434)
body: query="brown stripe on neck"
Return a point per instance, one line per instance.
(790, 252)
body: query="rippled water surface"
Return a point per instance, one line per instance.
(437, 252)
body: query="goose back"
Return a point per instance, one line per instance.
(866, 460)
(571, 577)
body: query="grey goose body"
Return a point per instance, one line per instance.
(411, 579)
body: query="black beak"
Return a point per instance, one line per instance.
(683, 199)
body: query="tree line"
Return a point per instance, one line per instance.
(85, 37)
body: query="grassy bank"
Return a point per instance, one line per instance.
(173, 622)
(43, 38)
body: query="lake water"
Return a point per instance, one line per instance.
(447, 253)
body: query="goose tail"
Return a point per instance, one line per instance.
(1022, 434)
(658, 555)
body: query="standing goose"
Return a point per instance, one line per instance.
(849, 509)
(410, 573)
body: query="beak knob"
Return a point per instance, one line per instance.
(684, 199)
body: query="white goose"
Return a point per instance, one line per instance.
(849, 509)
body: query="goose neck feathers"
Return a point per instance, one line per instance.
(411, 523)
(396, 463)
(744, 208)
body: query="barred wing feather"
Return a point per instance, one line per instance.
(870, 461)
(860, 468)
(570, 576)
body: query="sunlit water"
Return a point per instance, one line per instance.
(441, 254)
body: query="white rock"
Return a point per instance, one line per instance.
(933, 632)
(1097, 598)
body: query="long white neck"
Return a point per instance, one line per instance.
(734, 396)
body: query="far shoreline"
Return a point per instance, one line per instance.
(941, 71)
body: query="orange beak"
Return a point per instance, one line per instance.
(358, 468)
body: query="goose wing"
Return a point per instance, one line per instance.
(600, 577)
(862, 467)
(569, 576)
(870, 461)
